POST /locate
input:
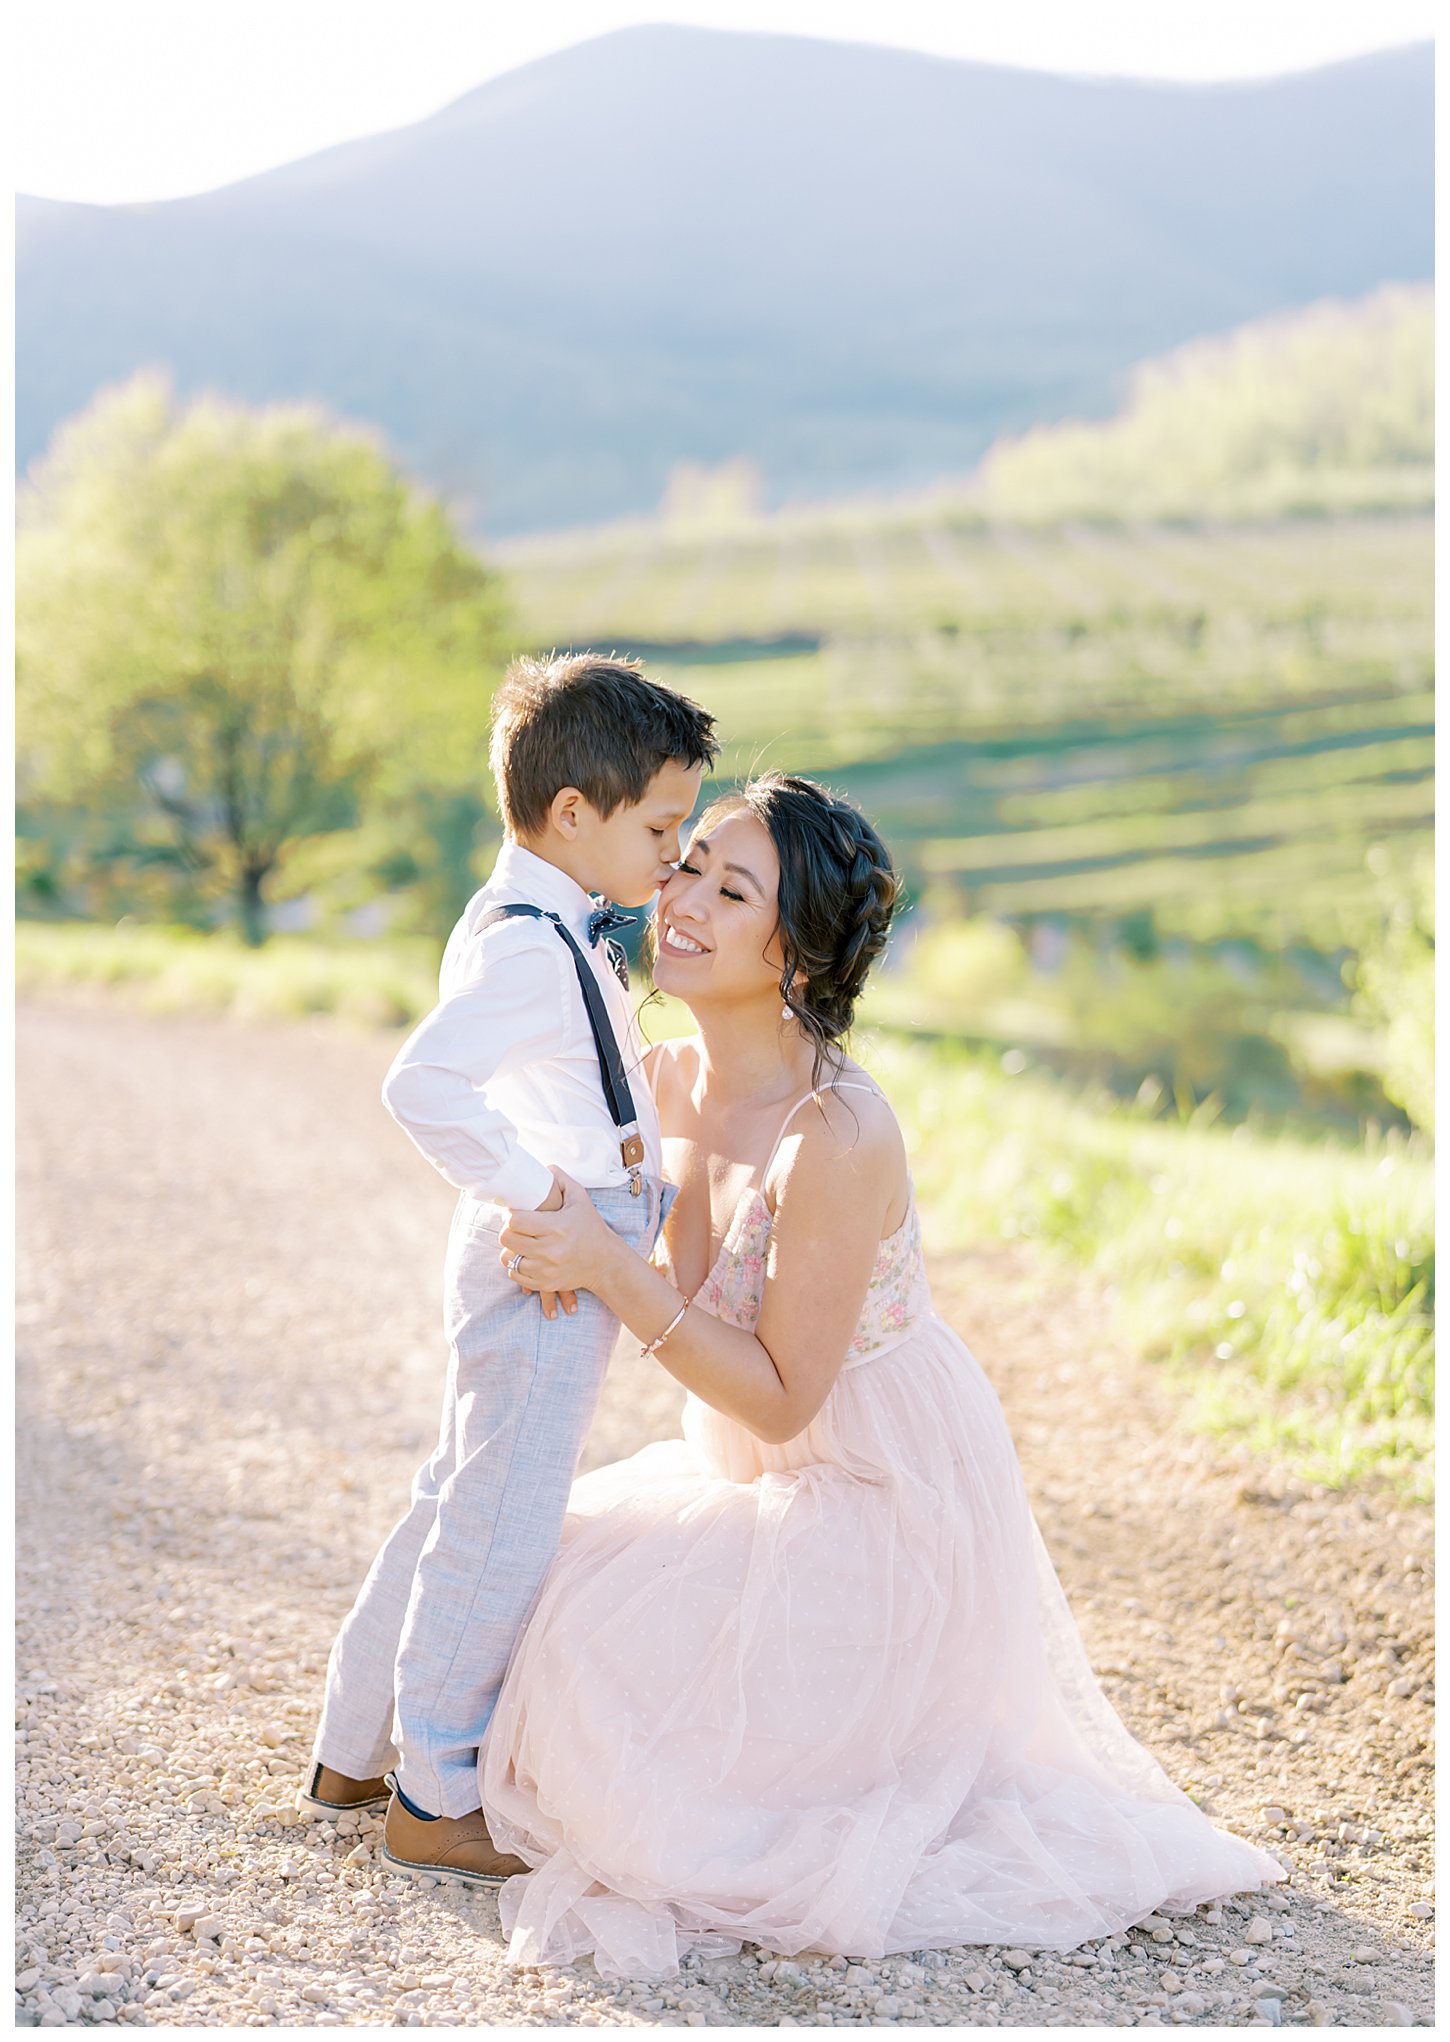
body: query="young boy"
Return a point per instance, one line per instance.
(596, 769)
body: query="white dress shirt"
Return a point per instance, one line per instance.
(502, 1079)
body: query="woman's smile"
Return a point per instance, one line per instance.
(674, 942)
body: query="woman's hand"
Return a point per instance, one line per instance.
(562, 1251)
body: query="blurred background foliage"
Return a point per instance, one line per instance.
(244, 643)
(1143, 706)
(1329, 409)
(1160, 783)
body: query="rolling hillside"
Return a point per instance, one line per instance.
(1183, 764)
(858, 267)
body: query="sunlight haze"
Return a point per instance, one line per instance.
(163, 98)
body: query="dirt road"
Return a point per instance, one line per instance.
(229, 1364)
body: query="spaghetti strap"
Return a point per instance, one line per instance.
(847, 1085)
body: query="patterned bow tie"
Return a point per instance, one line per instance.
(601, 922)
(606, 919)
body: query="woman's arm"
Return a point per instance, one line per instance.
(830, 1211)
(728, 1368)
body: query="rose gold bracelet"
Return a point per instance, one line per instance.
(660, 1338)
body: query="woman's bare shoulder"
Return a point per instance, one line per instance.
(848, 1158)
(852, 1116)
(848, 1124)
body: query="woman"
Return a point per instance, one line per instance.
(805, 1677)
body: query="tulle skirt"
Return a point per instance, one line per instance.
(826, 1696)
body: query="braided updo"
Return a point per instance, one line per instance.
(838, 892)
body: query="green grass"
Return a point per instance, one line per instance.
(1287, 1284)
(167, 970)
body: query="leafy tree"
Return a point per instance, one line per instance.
(244, 623)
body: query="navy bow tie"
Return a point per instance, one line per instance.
(605, 920)
(601, 922)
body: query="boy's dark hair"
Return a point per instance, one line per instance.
(578, 720)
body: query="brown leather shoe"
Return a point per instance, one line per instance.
(453, 1847)
(330, 1793)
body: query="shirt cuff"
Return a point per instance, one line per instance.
(524, 1183)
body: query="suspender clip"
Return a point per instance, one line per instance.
(631, 1154)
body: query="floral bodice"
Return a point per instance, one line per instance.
(897, 1294)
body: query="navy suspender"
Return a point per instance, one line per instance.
(617, 1094)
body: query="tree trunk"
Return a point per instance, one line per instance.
(251, 911)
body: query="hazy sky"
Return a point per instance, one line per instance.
(143, 99)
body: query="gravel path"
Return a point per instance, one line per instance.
(228, 1368)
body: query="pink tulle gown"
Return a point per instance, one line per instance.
(828, 1695)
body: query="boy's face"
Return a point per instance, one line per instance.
(629, 855)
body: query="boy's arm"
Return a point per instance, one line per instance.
(505, 1016)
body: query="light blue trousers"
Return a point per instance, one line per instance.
(416, 1668)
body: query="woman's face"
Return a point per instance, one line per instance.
(715, 925)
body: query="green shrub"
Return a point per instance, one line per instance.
(1395, 975)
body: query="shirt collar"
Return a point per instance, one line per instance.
(542, 885)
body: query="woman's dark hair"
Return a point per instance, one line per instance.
(838, 892)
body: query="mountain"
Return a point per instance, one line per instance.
(857, 266)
